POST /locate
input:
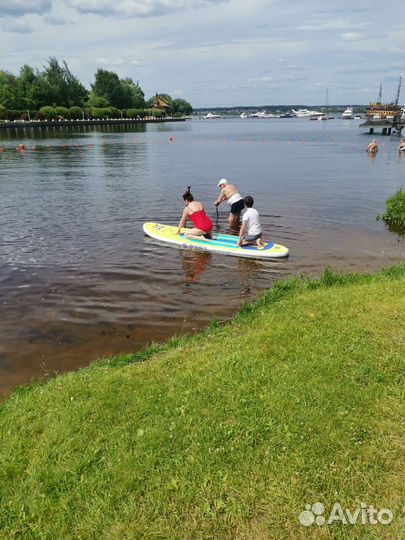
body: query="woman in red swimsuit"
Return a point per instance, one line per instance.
(194, 210)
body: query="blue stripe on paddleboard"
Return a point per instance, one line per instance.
(233, 241)
(226, 243)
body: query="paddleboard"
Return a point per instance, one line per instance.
(225, 244)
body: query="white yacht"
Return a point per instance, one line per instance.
(306, 113)
(259, 114)
(243, 115)
(348, 114)
(210, 116)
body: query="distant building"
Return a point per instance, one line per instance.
(162, 103)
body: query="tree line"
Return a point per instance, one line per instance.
(56, 92)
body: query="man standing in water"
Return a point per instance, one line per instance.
(230, 194)
(372, 148)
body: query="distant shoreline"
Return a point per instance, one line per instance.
(74, 123)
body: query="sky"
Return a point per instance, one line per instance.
(217, 53)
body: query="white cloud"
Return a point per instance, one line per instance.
(119, 61)
(223, 45)
(176, 93)
(56, 20)
(20, 7)
(19, 26)
(316, 24)
(138, 8)
(351, 36)
(262, 79)
(397, 50)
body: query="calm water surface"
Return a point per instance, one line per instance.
(79, 280)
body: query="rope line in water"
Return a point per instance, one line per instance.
(22, 147)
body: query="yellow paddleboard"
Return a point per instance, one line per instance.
(226, 244)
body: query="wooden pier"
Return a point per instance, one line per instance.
(387, 126)
(18, 124)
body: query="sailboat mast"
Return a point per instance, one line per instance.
(380, 94)
(398, 91)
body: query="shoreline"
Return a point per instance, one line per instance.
(278, 291)
(118, 337)
(201, 436)
(76, 123)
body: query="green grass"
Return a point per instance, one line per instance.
(394, 215)
(226, 434)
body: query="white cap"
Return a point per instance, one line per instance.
(222, 182)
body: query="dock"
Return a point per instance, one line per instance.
(387, 126)
(18, 124)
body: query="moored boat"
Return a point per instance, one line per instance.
(348, 114)
(211, 116)
(306, 113)
(377, 110)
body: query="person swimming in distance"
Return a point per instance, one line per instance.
(194, 211)
(372, 148)
(231, 195)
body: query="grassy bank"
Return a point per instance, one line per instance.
(227, 434)
(394, 215)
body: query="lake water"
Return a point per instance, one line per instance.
(80, 281)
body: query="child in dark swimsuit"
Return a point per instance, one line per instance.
(194, 210)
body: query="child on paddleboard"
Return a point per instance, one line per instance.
(251, 230)
(195, 212)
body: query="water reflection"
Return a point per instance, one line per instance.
(195, 264)
(66, 133)
(248, 271)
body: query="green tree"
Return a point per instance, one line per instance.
(39, 92)
(25, 85)
(132, 113)
(97, 101)
(64, 88)
(115, 113)
(99, 113)
(108, 85)
(47, 112)
(76, 113)
(133, 94)
(182, 106)
(63, 112)
(120, 93)
(8, 90)
(158, 113)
